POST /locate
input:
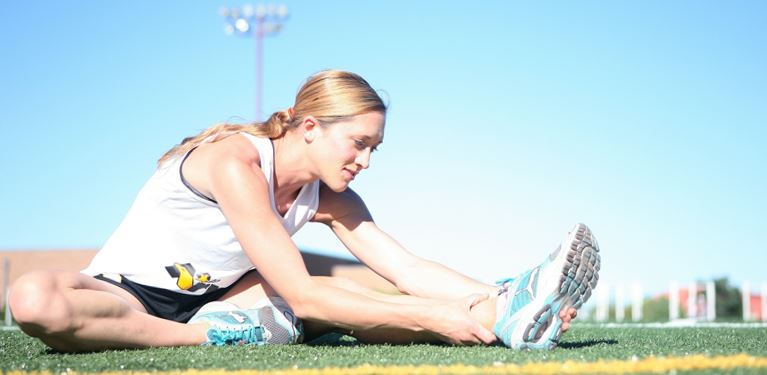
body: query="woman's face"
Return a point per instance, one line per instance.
(343, 148)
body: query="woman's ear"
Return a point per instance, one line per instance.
(310, 128)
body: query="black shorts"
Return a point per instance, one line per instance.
(164, 303)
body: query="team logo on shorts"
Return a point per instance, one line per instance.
(187, 279)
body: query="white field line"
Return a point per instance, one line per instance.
(674, 324)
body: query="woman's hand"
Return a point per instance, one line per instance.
(567, 316)
(452, 322)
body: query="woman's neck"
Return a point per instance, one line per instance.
(291, 166)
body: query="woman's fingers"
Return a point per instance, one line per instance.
(485, 336)
(567, 316)
(455, 324)
(482, 334)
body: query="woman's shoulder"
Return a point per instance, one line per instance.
(211, 161)
(335, 205)
(237, 148)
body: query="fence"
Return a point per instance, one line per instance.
(696, 301)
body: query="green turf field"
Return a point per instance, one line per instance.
(586, 348)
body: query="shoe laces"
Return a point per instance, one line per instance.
(237, 336)
(504, 283)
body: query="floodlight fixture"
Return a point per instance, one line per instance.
(255, 21)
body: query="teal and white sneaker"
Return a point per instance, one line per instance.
(528, 305)
(265, 323)
(282, 325)
(232, 327)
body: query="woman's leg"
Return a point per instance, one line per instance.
(253, 288)
(70, 312)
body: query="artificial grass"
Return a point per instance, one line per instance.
(581, 344)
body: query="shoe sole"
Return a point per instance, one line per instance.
(570, 279)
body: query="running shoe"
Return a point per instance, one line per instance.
(528, 305)
(282, 325)
(266, 323)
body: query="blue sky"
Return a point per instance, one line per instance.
(509, 122)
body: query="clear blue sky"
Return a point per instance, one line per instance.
(509, 122)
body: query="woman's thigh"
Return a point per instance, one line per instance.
(249, 290)
(39, 287)
(83, 281)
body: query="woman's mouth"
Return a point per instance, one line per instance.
(349, 174)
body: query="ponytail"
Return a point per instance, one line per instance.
(273, 128)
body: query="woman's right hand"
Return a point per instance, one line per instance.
(453, 323)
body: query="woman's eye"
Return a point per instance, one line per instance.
(360, 144)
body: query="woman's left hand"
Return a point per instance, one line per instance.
(566, 316)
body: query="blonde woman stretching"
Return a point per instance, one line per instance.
(204, 256)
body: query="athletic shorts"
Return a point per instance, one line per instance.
(164, 303)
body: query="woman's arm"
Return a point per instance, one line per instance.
(240, 188)
(346, 214)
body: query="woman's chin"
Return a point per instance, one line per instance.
(337, 186)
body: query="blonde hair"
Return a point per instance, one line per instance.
(330, 96)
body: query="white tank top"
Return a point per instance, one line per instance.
(177, 239)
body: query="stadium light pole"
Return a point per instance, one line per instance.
(256, 22)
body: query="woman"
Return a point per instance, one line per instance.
(212, 228)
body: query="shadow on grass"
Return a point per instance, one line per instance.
(333, 339)
(338, 339)
(585, 344)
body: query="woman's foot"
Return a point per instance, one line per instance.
(534, 308)
(269, 322)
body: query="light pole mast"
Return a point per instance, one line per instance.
(256, 22)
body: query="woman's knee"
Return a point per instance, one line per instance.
(34, 301)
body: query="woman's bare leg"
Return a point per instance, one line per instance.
(70, 311)
(484, 312)
(253, 288)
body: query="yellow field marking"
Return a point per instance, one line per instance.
(645, 365)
